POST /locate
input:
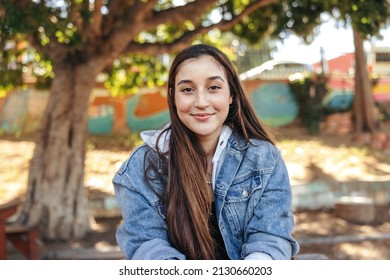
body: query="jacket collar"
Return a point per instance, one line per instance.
(238, 142)
(150, 138)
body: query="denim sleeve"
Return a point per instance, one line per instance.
(269, 230)
(142, 234)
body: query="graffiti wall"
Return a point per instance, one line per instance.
(147, 111)
(275, 104)
(21, 111)
(272, 100)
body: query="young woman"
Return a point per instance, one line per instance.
(210, 184)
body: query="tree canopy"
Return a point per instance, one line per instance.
(81, 30)
(53, 26)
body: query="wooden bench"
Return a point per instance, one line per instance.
(23, 237)
(6, 210)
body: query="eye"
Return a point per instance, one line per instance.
(186, 90)
(214, 88)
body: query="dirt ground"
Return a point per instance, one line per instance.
(327, 157)
(322, 232)
(316, 231)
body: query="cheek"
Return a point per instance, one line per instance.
(223, 103)
(182, 104)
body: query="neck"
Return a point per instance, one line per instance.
(209, 149)
(209, 146)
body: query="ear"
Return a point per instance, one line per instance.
(171, 95)
(231, 99)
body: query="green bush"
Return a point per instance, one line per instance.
(309, 90)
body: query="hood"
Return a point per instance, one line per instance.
(150, 138)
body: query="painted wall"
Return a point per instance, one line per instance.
(22, 110)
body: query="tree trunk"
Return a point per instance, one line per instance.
(363, 108)
(56, 196)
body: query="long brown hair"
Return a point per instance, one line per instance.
(187, 196)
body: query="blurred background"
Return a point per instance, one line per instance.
(79, 80)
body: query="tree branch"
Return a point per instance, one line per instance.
(119, 37)
(22, 4)
(54, 50)
(115, 10)
(191, 12)
(75, 16)
(227, 24)
(162, 48)
(183, 41)
(97, 17)
(137, 17)
(93, 28)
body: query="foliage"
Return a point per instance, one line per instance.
(368, 17)
(52, 21)
(10, 73)
(253, 27)
(309, 91)
(18, 62)
(130, 73)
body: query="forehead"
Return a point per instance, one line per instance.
(205, 65)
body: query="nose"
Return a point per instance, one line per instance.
(201, 99)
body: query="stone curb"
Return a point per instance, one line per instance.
(343, 239)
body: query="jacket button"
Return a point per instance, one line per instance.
(245, 193)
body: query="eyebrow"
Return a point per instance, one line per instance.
(212, 78)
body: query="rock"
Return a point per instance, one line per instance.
(313, 256)
(355, 209)
(382, 213)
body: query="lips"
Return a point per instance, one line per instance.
(202, 116)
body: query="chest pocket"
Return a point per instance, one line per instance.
(241, 199)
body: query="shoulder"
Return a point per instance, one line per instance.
(257, 152)
(132, 171)
(135, 159)
(257, 146)
(264, 147)
(131, 178)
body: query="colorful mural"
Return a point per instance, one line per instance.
(381, 91)
(338, 100)
(275, 104)
(101, 119)
(148, 111)
(15, 112)
(342, 92)
(22, 111)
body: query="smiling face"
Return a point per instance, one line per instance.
(202, 96)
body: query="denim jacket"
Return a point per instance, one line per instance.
(252, 200)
